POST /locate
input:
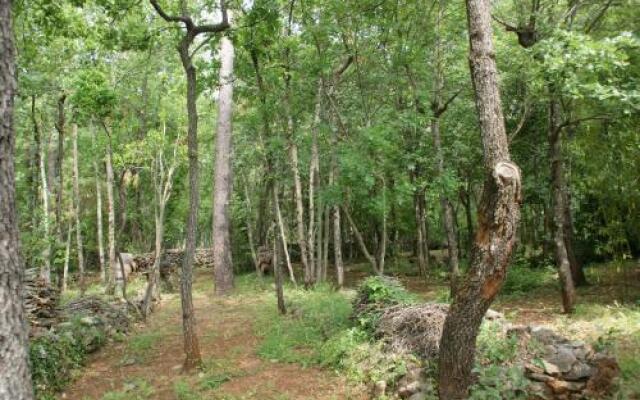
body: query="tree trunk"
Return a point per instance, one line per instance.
(577, 271)
(111, 221)
(76, 208)
(45, 268)
(191, 343)
(498, 216)
(283, 236)
(363, 247)
(438, 109)
(67, 256)
(337, 246)
(59, 187)
(252, 247)
(34, 165)
(15, 379)
(222, 261)
(325, 242)
(277, 267)
(558, 189)
(103, 269)
(420, 239)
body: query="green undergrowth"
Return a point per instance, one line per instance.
(55, 355)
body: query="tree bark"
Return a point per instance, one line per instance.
(420, 239)
(577, 270)
(76, 208)
(499, 213)
(103, 269)
(314, 177)
(59, 187)
(15, 377)
(67, 256)
(558, 191)
(222, 261)
(363, 247)
(277, 266)
(283, 236)
(337, 246)
(252, 247)
(111, 220)
(45, 268)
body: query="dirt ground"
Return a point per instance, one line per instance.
(147, 365)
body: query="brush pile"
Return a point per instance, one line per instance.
(172, 258)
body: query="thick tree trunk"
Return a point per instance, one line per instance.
(76, 208)
(45, 268)
(558, 188)
(499, 213)
(103, 269)
(222, 261)
(191, 343)
(111, 221)
(15, 378)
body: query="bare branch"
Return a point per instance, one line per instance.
(523, 119)
(438, 112)
(167, 17)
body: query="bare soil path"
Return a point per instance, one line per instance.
(147, 364)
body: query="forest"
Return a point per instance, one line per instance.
(319, 199)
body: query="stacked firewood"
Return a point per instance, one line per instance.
(172, 258)
(40, 300)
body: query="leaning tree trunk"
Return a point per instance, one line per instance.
(558, 189)
(283, 236)
(498, 216)
(222, 262)
(278, 248)
(15, 378)
(76, 208)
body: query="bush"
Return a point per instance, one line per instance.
(522, 279)
(54, 355)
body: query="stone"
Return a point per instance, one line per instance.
(576, 386)
(545, 335)
(379, 389)
(492, 315)
(418, 396)
(539, 377)
(533, 368)
(579, 371)
(90, 321)
(564, 358)
(408, 390)
(550, 368)
(558, 386)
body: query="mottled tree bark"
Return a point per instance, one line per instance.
(15, 378)
(76, 208)
(111, 220)
(222, 261)
(103, 269)
(59, 187)
(45, 268)
(67, 256)
(277, 265)
(498, 216)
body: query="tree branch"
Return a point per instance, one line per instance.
(170, 18)
(439, 111)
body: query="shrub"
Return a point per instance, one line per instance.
(522, 279)
(55, 354)
(375, 294)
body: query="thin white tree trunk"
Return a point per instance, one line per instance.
(111, 224)
(103, 269)
(283, 235)
(314, 175)
(76, 208)
(45, 269)
(67, 256)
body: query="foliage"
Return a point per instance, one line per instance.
(54, 355)
(373, 295)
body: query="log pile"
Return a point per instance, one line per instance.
(40, 301)
(172, 258)
(95, 311)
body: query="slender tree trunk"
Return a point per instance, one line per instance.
(191, 343)
(325, 242)
(252, 247)
(283, 236)
(499, 213)
(420, 244)
(277, 266)
(363, 247)
(15, 377)
(577, 271)
(76, 208)
(67, 256)
(447, 209)
(103, 269)
(122, 202)
(222, 261)
(111, 221)
(314, 177)
(45, 268)
(337, 246)
(59, 187)
(558, 193)
(34, 170)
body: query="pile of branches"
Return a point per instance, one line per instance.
(40, 301)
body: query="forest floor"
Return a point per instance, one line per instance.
(240, 362)
(147, 364)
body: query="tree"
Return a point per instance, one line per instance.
(76, 208)
(223, 181)
(15, 377)
(498, 216)
(191, 345)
